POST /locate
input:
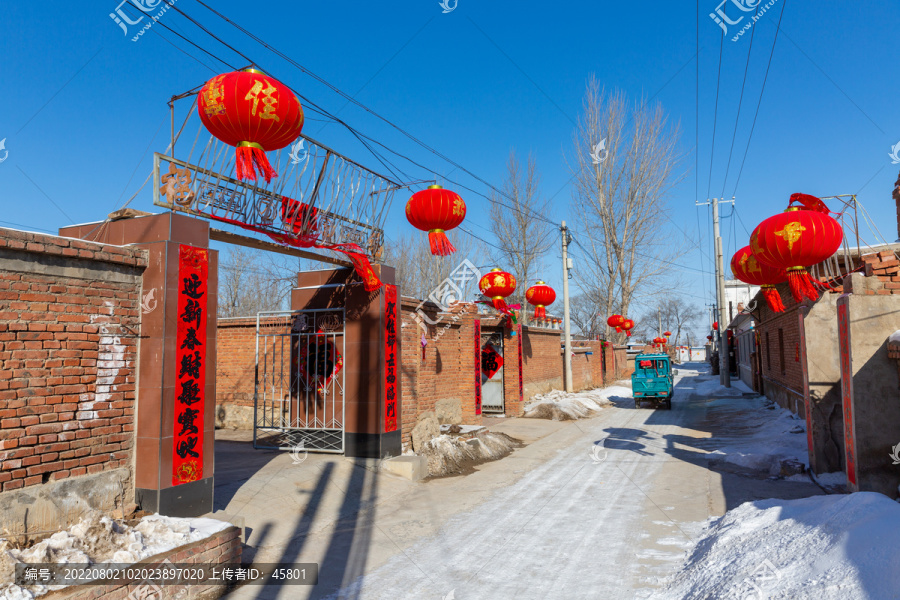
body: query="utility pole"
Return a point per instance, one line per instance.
(567, 349)
(658, 322)
(721, 336)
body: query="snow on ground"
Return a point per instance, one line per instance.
(97, 539)
(765, 435)
(839, 547)
(557, 405)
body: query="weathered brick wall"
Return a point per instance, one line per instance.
(220, 549)
(440, 380)
(69, 321)
(779, 348)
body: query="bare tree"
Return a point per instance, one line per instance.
(624, 168)
(251, 281)
(523, 237)
(419, 273)
(584, 314)
(676, 315)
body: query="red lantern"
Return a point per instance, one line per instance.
(716, 326)
(748, 269)
(709, 337)
(796, 239)
(540, 295)
(253, 112)
(498, 285)
(435, 210)
(616, 321)
(668, 334)
(628, 325)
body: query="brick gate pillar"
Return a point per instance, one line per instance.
(369, 430)
(168, 422)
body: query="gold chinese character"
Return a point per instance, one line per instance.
(458, 208)
(213, 97)
(500, 280)
(177, 186)
(270, 103)
(791, 233)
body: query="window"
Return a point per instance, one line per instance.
(768, 353)
(781, 349)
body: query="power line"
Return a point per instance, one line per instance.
(737, 119)
(350, 99)
(712, 151)
(759, 102)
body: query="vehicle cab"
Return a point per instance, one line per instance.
(653, 380)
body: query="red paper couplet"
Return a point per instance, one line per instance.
(521, 372)
(390, 354)
(477, 366)
(190, 364)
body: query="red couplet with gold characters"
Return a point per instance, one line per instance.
(253, 112)
(747, 268)
(436, 210)
(190, 357)
(540, 295)
(497, 285)
(796, 239)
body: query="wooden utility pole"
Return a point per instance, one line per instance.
(567, 349)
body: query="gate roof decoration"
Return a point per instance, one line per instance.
(321, 199)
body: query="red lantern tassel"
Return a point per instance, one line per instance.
(250, 159)
(540, 312)
(500, 304)
(801, 284)
(440, 243)
(773, 298)
(628, 333)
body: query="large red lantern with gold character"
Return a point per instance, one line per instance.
(498, 285)
(616, 321)
(540, 295)
(628, 325)
(748, 269)
(436, 210)
(255, 113)
(796, 239)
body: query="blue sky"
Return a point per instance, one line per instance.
(84, 107)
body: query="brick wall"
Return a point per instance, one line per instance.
(69, 320)
(222, 548)
(440, 380)
(779, 345)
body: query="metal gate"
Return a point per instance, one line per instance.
(299, 388)
(492, 389)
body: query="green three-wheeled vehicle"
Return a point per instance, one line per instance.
(653, 380)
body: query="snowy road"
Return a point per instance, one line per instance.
(605, 509)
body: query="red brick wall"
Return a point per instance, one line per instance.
(222, 548)
(67, 357)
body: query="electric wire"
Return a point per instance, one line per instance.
(737, 119)
(759, 102)
(712, 152)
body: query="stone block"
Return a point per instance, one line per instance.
(414, 468)
(448, 411)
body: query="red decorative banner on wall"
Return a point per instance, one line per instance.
(390, 358)
(521, 372)
(477, 366)
(190, 365)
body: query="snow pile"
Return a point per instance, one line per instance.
(97, 539)
(560, 406)
(450, 455)
(764, 435)
(895, 337)
(826, 547)
(716, 389)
